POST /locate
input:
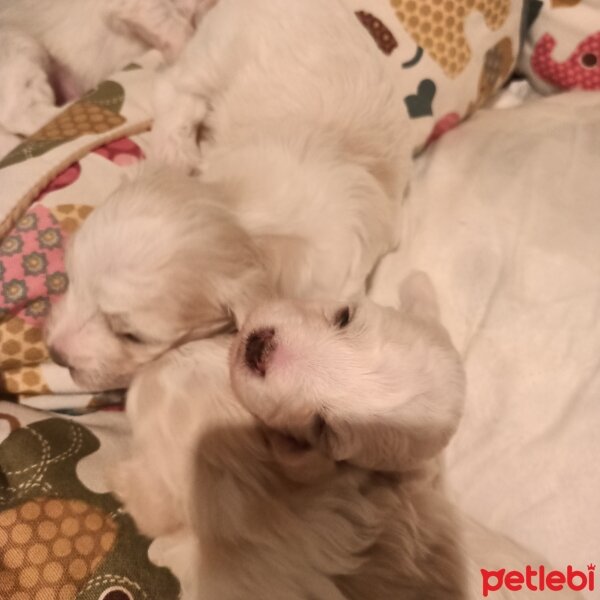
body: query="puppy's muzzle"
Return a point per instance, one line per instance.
(259, 348)
(58, 357)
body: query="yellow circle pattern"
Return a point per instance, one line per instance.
(50, 546)
(438, 26)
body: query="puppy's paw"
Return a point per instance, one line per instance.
(176, 148)
(27, 99)
(156, 22)
(143, 497)
(174, 36)
(179, 117)
(116, 480)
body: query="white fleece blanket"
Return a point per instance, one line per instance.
(504, 214)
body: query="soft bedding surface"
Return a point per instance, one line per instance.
(504, 214)
(49, 185)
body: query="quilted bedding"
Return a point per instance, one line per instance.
(503, 214)
(62, 536)
(49, 185)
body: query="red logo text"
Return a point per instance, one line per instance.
(538, 579)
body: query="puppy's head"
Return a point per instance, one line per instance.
(160, 263)
(380, 388)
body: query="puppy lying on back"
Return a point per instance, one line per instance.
(54, 50)
(306, 161)
(315, 478)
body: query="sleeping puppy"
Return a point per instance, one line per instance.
(54, 50)
(168, 259)
(288, 88)
(312, 480)
(146, 275)
(307, 159)
(316, 475)
(352, 405)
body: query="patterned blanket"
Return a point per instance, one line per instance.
(50, 184)
(450, 58)
(62, 536)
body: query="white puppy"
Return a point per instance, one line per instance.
(150, 269)
(307, 159)
(53, 50)
(313, 482)
(317, 478)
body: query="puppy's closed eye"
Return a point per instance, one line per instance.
(120, 328)
(130, 337)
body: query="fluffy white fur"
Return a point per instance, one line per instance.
(53, 50)
(317, 478)
(150, 269)
(306, 161)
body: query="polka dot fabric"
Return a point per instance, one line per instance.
(79, 119)
(60, 539)
(62, 536)
(581, 70)
(449, 56)
(381, 34)
(50, 546)
(439, 27)
(562, 50)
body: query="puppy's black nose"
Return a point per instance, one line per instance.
(259, 346)
(57, 357)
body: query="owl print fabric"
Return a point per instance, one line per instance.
(562, 49)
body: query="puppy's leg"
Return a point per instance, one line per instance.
(183, 92)
(179, 115)
(145, 497)
(158, 22)
(26, 97)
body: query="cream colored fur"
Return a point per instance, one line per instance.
(303, 168)
(318, 479)
(52, 50)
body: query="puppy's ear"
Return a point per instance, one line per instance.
(418, 297)
(379, 445)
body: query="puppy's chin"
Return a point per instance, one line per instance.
(98, 381)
